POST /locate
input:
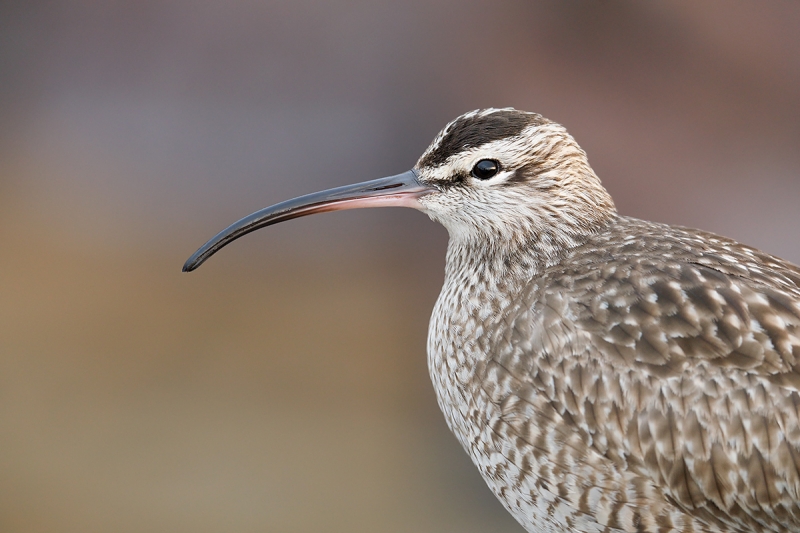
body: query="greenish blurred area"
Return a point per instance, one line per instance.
(283, 386)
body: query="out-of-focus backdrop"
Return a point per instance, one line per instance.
(283, 386)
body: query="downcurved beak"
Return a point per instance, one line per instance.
(401, 190)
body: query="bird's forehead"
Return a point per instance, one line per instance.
(477, 128)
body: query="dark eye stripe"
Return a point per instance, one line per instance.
(450, 181)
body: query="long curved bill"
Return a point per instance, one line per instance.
(401, 190)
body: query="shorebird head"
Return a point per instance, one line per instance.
(505, 175)
(512, 176)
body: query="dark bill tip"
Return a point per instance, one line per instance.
(401, 190)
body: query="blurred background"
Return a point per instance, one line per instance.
(283, 386)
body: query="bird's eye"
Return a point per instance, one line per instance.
(485, 169)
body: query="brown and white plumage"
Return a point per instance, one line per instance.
(632, 377)
(605, 374)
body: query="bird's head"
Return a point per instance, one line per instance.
(511, 175)
(508, 176)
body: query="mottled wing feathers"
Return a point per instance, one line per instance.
(677, 355)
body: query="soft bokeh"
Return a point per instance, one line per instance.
(283, 386)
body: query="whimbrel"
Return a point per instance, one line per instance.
(605, 374)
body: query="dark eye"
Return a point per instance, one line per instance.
(485, 169)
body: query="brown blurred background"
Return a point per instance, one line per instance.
(283, 386)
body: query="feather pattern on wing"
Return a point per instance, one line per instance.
(648, 381)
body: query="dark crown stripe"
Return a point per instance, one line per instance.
(476, 129)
